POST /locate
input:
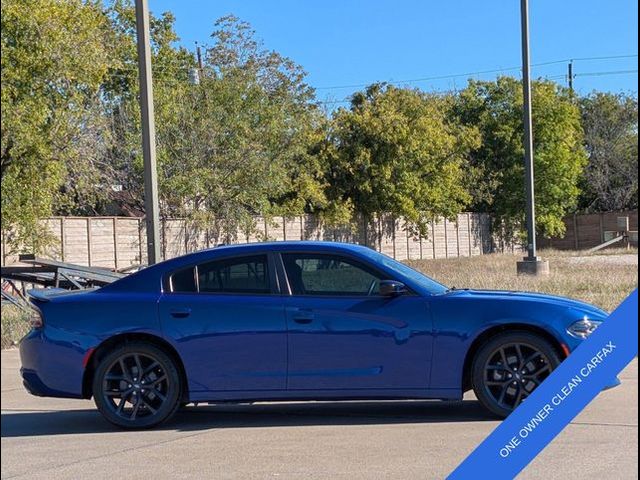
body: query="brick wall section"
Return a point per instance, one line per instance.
(119, 242)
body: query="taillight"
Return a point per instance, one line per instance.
(35, 319)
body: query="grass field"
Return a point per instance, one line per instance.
(604, 279)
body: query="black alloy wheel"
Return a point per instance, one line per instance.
(509, 368)
(137, 386)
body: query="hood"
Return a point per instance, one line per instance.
(555, 300)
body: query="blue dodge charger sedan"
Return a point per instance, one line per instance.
(292, 320)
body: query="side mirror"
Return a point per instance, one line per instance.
(392, 288)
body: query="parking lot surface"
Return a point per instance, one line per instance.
(44, 438)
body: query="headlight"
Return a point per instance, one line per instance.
(583, 328)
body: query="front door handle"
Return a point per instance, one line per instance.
(180, 312)
(303, 320)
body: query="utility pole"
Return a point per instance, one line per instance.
(199, 56)
(531, 264)
(570, 76)
(148, 133)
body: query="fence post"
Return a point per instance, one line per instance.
(601, 227)
(62, 234)
(89, 240)
(393, 235)
(575, 231)
(433, 238)
(458, 235)
(163, 236)
(140, 239)
(115, 242)
(446, 239)
(469, 233)
(481, 230)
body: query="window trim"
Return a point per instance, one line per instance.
(352, 258)
(274, 281)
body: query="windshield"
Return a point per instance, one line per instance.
(415, 276)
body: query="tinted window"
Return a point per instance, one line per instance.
(183, 281)
(317, 274)
(235, 275)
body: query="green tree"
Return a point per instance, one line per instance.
(239, 143)
(113, 157)
(610, 124)
(559, 157)
(53, 63)
(396, 151)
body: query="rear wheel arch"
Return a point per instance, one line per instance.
(508, 327)
(122, 339)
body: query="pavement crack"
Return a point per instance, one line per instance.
(105, 455)
(604, 424)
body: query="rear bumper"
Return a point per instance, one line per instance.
(35, 386)
(50, 369)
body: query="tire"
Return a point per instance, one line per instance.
(509, 367)
(130, 400)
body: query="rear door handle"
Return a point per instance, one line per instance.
(303, 316)
(180, 312)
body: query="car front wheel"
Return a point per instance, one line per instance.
(509, 367)
(137, 386)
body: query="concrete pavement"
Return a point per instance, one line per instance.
(68, 439)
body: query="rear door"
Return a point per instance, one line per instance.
(227, 321)
(344, 336)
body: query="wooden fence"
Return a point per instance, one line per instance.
(119, 242)
(589, 230)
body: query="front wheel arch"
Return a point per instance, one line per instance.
(508, 327)
(121, 339)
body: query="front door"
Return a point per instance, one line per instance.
(227, 321)
(344, 335)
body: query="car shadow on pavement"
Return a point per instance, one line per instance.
(191, 418)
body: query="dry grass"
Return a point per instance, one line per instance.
(603, 279)
(15, 325)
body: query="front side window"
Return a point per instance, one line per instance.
(322, 274)
(232, 275)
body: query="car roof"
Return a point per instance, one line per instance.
(149, 279)
(287, 245)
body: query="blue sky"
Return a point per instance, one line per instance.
(353, 42)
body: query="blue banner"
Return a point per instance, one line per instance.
(565, 393)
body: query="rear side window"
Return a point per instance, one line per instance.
(184, 281)
(235, 275)
(232, 275)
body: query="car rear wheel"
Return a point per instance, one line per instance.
(509, 367)
(137, 386)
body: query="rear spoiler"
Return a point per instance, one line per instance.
(47, 294)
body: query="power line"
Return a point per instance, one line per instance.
(552, 77)
(600, 74)
(482, 72)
